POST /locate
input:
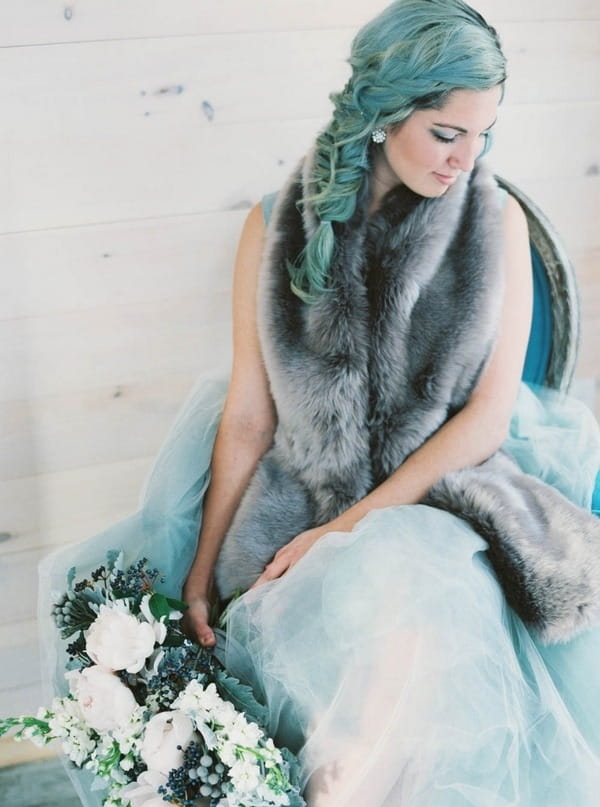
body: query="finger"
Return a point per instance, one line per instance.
(204, 634)
(275, 569)
(207, 637)
(199, 630)
(259, 581)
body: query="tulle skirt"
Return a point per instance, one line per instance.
(388, 657)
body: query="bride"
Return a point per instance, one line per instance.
(419, 614)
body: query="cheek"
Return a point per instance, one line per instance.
(420, 152)
(431, 153)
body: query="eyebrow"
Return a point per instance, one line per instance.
(460, 128)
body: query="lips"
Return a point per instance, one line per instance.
(445, 179)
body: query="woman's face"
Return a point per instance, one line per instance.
(429, 149)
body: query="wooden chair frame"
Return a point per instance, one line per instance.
(562, 288)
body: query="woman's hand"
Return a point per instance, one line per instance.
(291, 553)
(196, 621)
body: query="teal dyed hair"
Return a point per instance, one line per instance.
(411, 56)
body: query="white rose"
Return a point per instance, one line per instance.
(105, 702)
(117, 640)
(144, 792)
(164, 732)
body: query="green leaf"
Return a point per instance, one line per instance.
(177, 605)
(242, 697)
(135, 602)
(159, 606)
(293, 765)
(8, 723)
(221, 610)
(109, 760)
(173, 640)
(35, 722)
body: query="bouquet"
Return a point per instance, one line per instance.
(153, 716)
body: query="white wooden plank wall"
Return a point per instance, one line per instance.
(134, 136)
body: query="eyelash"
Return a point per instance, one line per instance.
(447, 140)
(443, 139)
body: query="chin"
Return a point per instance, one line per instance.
(436, 188)
(427, 186)
(432, 193)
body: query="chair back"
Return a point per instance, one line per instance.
(554, 337)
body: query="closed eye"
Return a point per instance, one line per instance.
(452, 139)
(443, 138)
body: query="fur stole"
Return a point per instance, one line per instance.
(365, 375)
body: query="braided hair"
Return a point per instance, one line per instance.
(409, 57)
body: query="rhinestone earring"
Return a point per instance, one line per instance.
(378, 135)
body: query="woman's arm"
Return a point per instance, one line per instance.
(477, 430)
(245, 432)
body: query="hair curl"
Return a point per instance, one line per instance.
(411, 56)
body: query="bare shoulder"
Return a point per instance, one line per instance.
(254, 225)
(517, 254)
(249, 253)
(515, 221)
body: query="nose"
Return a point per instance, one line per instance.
(464, 154)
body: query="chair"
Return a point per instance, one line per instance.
(554, 337)
(555, 325)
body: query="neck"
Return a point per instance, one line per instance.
(383, 180)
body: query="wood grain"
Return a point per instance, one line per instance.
(43, 22)
(127, 135)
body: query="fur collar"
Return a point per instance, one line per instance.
(339, 367)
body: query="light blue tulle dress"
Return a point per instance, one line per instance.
(388, 656)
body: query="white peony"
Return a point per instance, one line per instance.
(164, 732)
(117, 640)
(105, 702)
(144, 792)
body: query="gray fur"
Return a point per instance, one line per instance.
(364, 376)
(543, 548)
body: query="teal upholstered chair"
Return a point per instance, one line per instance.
(554, 338)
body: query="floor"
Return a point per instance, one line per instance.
(37, 784)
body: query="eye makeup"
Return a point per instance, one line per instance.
(443, 138)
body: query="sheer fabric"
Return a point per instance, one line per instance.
(388, 657)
